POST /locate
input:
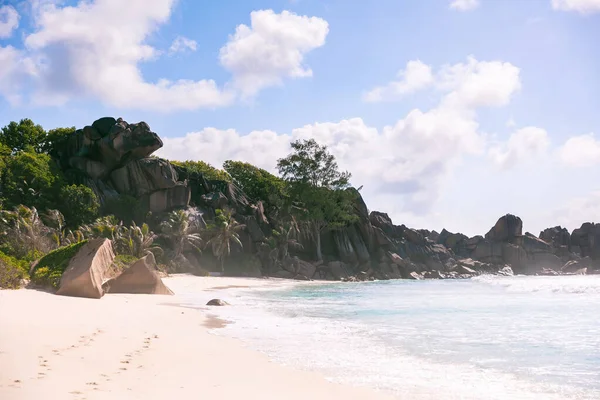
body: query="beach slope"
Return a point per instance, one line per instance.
(140, 347)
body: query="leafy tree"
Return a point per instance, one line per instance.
(178, 230)
(257, 183)
(317, 188)
(55, 139)
(224, 233)
(208, 171)
(32, 179)
(79, 204)
(22, 136)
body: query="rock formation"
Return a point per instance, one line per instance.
(87, 270)
(140, 278)
(113, 158)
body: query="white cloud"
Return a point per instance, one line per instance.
(9, 21)
(15, 68)
(182, 44)
(524, 144)
(479, 83)
(579, 210)
(464, 5)
(410, 159)
(414, 77)
(272, 48)
(580, 151)
(580, 6)
(95, 50)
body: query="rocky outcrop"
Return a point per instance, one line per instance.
(508, 229)
(113, 158)
(217, 302)
(140, 278)
(88, 270)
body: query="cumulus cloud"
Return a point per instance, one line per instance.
(410, 159)
(464, 5)
(414, 77)
(182, 44)
(580, 6)
(16, 67)
(95, 48)
(526, 143)
(580, 151)
(9, 21)
(579, 210)
(273, 47)
(479, 83)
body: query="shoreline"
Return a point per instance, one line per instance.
(142, 346)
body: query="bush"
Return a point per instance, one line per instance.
(50, 268)
(122, 261)
(12, 271)
(79, 204)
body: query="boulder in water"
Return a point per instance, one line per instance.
(217, 302)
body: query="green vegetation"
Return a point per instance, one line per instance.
(50, 268)
(317, 189)
(12, 271)
(47, 213)
(224, 233)
(79, 205)
(200, 167)
(257, 184)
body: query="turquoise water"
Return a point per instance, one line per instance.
(484, 338)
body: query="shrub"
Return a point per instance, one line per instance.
(50, 268)
(122, 261)
(79, 205)
(12, 271)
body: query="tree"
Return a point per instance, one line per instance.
(178, 230)
(79, 204)
(22, 136)
(54, 140)
(208, 171)
(23, 234)
(257, 183)
(317, 188)
(224, 233)
(137, 241)
(32, 179)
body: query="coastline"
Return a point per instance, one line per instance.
(141, 346)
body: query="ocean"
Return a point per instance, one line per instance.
(486, 338)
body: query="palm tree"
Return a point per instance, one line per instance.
(25, 231)
(61, 235)
(284, 237)
(137, 241)
(178, 229)
(224, 233)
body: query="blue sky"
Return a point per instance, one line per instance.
(495, 117)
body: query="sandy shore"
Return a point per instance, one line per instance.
(140, 347)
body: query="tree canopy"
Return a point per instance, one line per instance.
(22, 135)
(256, 183)
(317, 188)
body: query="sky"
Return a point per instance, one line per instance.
(448, 113)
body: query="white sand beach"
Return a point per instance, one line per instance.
(140, 347)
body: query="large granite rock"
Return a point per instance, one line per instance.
(140, 278)
(177, 196)
(144, 176)
(587, 240)
(557, 236)
(111, 142)
(508, 228)
(88, 270)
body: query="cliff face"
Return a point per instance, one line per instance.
(114, 158)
